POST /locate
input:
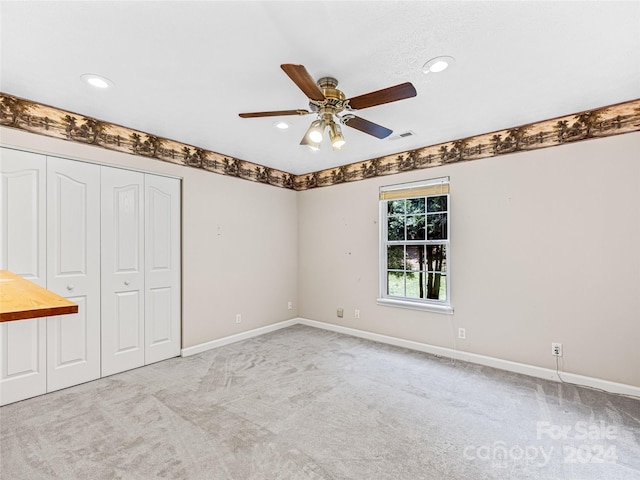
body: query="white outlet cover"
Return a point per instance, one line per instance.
(556, 347)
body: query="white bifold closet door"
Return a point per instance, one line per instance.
(23, 243)
(73, 271)
(162, 266)
(123, 279)
(140, 269)
(108, 239)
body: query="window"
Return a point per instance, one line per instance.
(414, 245)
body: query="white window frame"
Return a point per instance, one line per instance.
(408, 302)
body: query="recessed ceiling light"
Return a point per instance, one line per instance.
(438, 64)
(97, 81)
(281, 125)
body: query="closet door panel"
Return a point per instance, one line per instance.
(23, 372)
(22, 204)
(69, 361)
(23, 251)
(122, 270)
(163, 278)
(159, 309)
(73, 268)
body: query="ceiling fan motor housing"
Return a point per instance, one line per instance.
(327, 82)
(334, 101)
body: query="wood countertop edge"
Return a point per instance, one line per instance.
(22, 299)
(29, 314)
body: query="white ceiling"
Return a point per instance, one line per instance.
(184, 70)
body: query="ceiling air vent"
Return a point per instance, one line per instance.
(406, 134)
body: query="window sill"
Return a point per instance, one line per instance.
(429, 307)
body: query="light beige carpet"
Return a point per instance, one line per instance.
(303, 403)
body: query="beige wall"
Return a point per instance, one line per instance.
(545, 248)
(239, 241)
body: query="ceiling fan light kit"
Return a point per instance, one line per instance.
(327, 102)
(307, 142)
(335, 135)
(316, 130)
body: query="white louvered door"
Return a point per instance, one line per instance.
(23, 251)
(73, 271)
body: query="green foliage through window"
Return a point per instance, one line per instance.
(416, 245)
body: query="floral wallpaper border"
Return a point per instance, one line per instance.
(45, 120)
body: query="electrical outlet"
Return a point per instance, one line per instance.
(462, 333)
(238, 318)
(357, 313)
(340, 312)
(556, 349)
(290, 305)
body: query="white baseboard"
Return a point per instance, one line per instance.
(221, 342)
(523, 368)
(531, 370)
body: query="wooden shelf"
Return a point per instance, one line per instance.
(21, 299)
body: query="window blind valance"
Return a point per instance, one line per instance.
(436, 186)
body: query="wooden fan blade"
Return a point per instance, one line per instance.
(303, 80)
(274, 114)
(366, 126)
(386, 95)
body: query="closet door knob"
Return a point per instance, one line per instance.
(69, 287)
(126, 282)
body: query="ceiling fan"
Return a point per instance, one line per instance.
(332, 107)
